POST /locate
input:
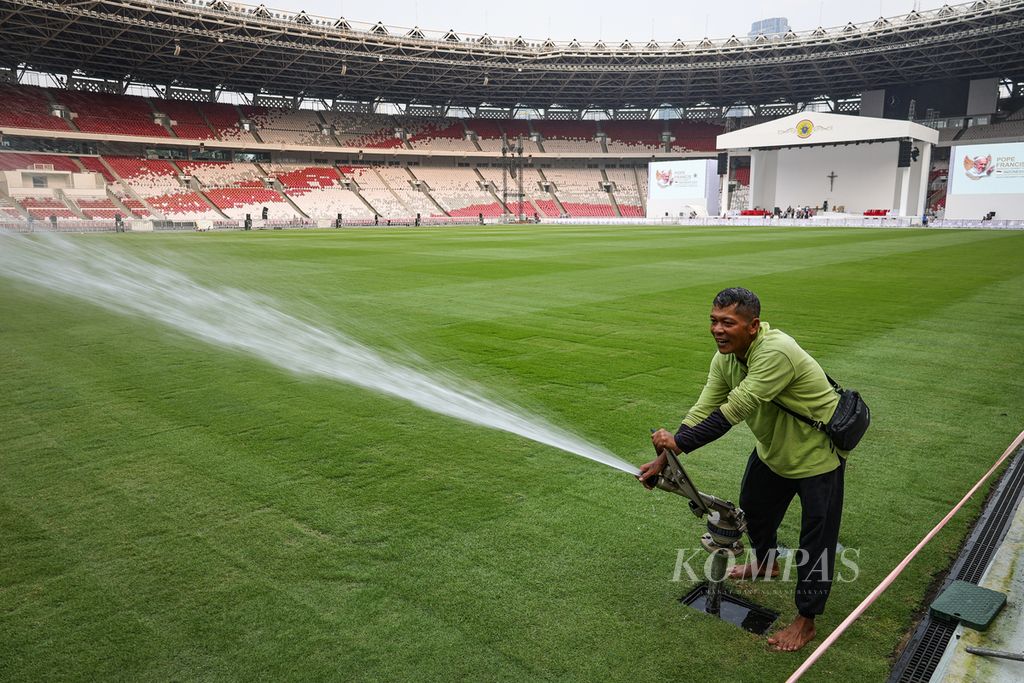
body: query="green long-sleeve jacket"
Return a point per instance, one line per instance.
(776, 368)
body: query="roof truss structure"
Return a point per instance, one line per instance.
(218, 45)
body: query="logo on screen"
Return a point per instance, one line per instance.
(804, 129)
(978, 167)
(663, 178)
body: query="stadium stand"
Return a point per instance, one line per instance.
(28, 107)
(694, 136)
(490, 137)
(633, 136)
(568, 136)
(401, 183)
(516, 129)
(129, 115)
(13, 161)
(222, 174)
(537, 201)
(377, 193)
(186, 119)
(458, 190)
(548, 208)
(579, 190)
(111, 114)
(236, 202)
(94, 165)
(365, 131)
(1004, 129)
(438, 134)
(98, 208)
(226, 122)
(290, 127)
(317, 191)
(627, 192)
(947, 135)
(7, 208)
(328, 202)
(182, 206)
(136, 207)
(44, 207)
(157, 183)
(145, 176)
(300, 177)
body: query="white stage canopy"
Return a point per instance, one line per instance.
(849, 161)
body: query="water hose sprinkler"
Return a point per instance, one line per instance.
(726, 525)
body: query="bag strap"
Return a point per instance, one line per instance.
(816, 424)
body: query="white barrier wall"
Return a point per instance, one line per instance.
(865, 176)
(985, 178)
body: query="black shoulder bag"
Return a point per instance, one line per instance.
(848, 423)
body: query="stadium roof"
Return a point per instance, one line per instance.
(220, 45)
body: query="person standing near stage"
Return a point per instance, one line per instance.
(756, 368)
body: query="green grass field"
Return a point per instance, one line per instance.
(170, 510)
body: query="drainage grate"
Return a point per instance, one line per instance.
(926, 647)
(927, 652)
(1003, 505)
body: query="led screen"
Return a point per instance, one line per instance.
(987, 169)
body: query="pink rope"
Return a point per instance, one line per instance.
(855, 614)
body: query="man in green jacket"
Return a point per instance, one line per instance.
(756, 367)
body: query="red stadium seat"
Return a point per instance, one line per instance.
(28, 107)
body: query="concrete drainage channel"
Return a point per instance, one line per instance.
(930, 640)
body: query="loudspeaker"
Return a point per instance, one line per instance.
(266, 213)
(903, 161)
(723, 163)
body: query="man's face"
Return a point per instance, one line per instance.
(733, 331)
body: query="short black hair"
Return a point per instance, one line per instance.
(746, 301)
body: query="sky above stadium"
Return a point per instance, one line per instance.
(609, 20)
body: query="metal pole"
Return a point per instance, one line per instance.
(504, 180)
(719, 564)
(1001, 654)
(519, 148)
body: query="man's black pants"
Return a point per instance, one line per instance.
(765, 497)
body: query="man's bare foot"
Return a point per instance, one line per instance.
(752, 570)
(794, 636)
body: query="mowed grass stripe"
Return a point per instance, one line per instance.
(177, 511)
(659, 271)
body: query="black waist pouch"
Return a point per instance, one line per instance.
(848, 423)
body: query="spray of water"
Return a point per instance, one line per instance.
(230, 318)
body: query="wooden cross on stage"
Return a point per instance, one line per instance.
(831, 180)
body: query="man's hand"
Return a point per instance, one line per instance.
(651, 470)
(663, 439)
